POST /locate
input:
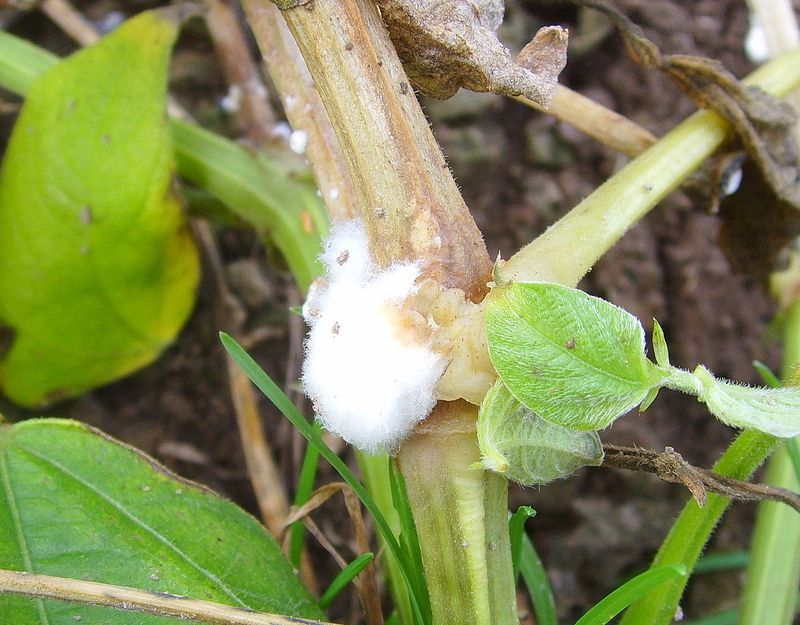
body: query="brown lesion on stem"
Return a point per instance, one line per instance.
(405, 193)
(670, 466)
(303, 106)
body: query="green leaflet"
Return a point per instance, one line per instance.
(527, 449)
(579, 362)
(573, 359)
(98, 270)
(775, 411)
(74, 503)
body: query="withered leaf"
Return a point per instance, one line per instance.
(449, 44)
(763, 215)
(757, 225)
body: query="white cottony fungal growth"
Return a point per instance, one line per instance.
(298, 141)
(369, 368)
(756, 46)
(232, 102)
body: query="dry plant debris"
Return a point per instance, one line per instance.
(671, 467)
(449, 44)
(762, 216)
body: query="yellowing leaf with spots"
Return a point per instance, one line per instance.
(98, 270)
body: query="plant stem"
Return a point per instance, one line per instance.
(254, 114)
(134, 600)
(774, 572)
(770, 592)
(692, 529)
(569, 249)
(70, 20)
(407, 198)
(303, 106)
(412, 210)
(607, 126)
(461, 515)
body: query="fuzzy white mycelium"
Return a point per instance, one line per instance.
(369, 366)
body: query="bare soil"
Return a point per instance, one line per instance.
(519, 171)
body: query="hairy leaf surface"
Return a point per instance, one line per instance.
(573, 359)
(527, 449)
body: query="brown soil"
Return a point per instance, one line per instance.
(519, 171)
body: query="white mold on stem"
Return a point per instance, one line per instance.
(370, 369)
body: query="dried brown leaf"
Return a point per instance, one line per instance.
(757, 225)
(763, 215)
(449, 44)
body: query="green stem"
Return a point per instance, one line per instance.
(569, 249)
(375, 474)
(461, 515)
(693, 528)
(770, 592)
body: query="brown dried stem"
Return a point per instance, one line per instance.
(70, 20)
(406, 196)
(670, 466)
(367, 581)
(266, 478)
(255, 115)
(303, 106)
(264, 475)
(601, 123)
(134, 600)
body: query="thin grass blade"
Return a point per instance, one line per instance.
(345, 576)
(516, 528)
(305, 486)
(609, 607)
(769, 377)
(538, 584)
(273, 392)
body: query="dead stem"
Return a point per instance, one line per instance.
(407, 197)
(294, 359)
(366, 582)
(303, 107)
(70, 20)
(134, 600)
(607, 126)
(266, 478)
(670, 466)
(255, 115)
(264, 475)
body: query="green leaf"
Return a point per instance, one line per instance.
(277, 200)
(775, 411)
(660, 345)
(625, 595)
(345, 576)
(527, 449)
(98, 269)
(516, 530)
(74, 503)
(538, 584)
(573, 359)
